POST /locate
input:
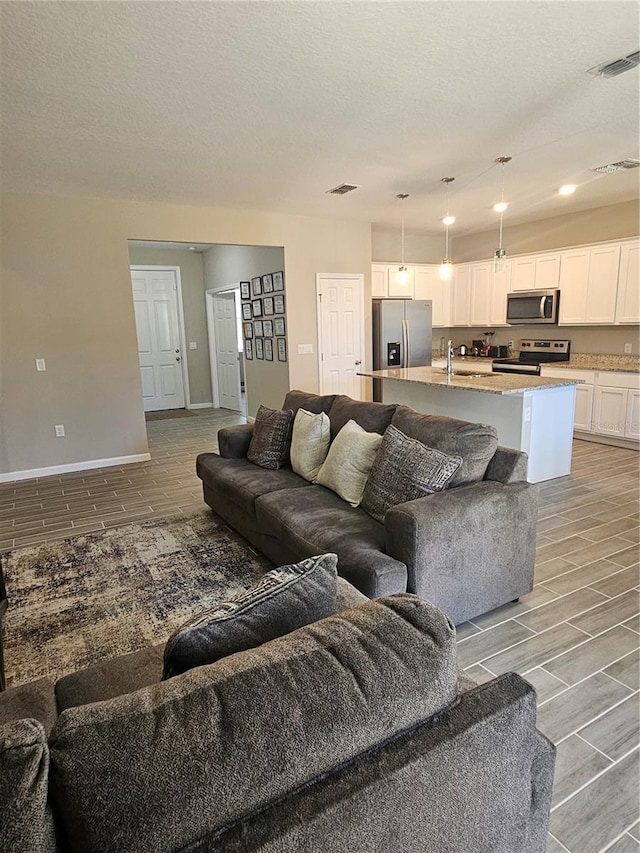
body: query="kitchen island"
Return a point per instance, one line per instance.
(529, 413)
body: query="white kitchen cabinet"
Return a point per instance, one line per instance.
(429, 285)
(535, 272)
(379, 281)
(633, 415)
(588, 285)
(628, 301)
(395, 288)
(461, 300)
(610, 411)
(480, 294)
(500, 286)
(574, 275)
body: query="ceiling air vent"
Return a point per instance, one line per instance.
(342, 189)
(616, 66)
(620, 166)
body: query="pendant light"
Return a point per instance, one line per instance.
(501, 252)
(402, 276)
(446, 269)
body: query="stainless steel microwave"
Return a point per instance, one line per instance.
(528, 307)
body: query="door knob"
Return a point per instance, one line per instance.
(358, 362)
(178, 358)
(177, 350)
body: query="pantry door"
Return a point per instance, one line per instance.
(340, 333)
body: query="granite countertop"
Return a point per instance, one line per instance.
(488, 383)
(593, 361)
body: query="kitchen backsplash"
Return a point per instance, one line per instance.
(602, 340)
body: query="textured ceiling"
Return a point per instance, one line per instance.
(266, 105)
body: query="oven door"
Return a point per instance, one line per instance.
(531, 307)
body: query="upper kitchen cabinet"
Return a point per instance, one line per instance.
(588, 285)
(480, 297)
(500, 286)
(379, 281)
(535, 272)
(429, 285)
(397, 289)
(461, 298)
(628, 302)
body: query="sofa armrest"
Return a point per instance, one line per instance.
(467, 549)
(234, 441)
(507, 466)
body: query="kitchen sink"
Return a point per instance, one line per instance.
(469, 374)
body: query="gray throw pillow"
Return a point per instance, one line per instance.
(271, 439)
(403, 470)
(285, 599)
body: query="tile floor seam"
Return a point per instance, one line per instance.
(594, 719)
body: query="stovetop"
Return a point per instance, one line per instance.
(539, 352)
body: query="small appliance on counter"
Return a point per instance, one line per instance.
(532, 355)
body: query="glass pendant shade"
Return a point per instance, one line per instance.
(446, 270)
(499, 260)
(402, 276)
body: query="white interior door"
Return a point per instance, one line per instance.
(340, 333)
(155, 302)
(227, 356)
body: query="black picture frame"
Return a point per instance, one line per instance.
(281, 344)
(256, 286)
(257, 328)
(278, 303)
(259, 348)
(256, 307)
(247, 328)
(280, 326)
(267, 328)
(268, 349)
(267, 305)
(248, 350)
(278, 280)
(267, 283)
(246, 311)
(245, 290)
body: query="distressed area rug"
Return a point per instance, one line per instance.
(80, 600)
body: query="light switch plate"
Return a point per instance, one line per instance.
(40, 364)
(305, 349)
(628, 348)
(193, 345)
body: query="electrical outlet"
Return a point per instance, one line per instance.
(628, 348)
(40, 365)
(510, 344)
(59, 430)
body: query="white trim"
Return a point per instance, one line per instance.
(70, 467)
(201, 406)
(360, 278)
(181, 329)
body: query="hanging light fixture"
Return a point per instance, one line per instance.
(446, 269)
(402, 276)
(501, 252)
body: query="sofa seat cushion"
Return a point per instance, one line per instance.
(373, 417)
(189, 755)
(241, 481)
(36, 700)
(475, 443)
(306, 524)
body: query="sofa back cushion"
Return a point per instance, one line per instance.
(475, 443)
(26, 824)
(309, 443)
(373, 417)
(314, 403)
(173, 763)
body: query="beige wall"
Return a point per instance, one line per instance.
(227, 265)
(66, 297)
(194, 312)
(573, 229)
(386, 246)
(609, 340)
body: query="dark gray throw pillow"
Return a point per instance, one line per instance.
(285, 599)
(403, 470)
(271, 439)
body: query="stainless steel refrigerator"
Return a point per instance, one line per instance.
(401, 335)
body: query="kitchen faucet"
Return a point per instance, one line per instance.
(449, 358)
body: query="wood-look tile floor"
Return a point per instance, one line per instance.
(575, 637)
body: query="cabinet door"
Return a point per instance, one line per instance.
(633, 415)
(628, 302)
(429, 285)
(460, 305)
(584, 408)
(603, 284)
(574, 277)
(379, 281)
(500, 286)
(547, 271)
(480, 293)
(610, 415)
(404, 291)
(523, 273)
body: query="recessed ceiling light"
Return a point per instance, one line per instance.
(501, 206)
(567, 189)
(448, 220)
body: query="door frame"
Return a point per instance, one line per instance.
(356, 276)
(211, 335)
(181, 329)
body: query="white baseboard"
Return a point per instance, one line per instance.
(200, 406)
(73, 466)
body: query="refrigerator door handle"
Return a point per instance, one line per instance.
(408, 343)
(403, 353)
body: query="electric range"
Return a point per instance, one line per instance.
(533, 353)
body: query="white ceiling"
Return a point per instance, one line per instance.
(267, 105)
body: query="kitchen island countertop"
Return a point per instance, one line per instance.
(488, 383)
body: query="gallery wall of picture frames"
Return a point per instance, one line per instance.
(264, 317)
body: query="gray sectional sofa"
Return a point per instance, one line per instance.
(468, 549)
(354, 733)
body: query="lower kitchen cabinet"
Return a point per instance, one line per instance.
(610, 411)
(584, 407)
